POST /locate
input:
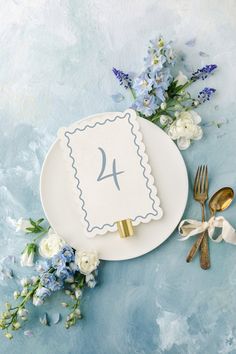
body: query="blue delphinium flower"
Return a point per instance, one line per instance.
(123, 78)
(43, 266)
(146, 105)
(67, 254)
(40, 295)
(157, 43)
(204, 72)
(160, 95)
(154, 60)
(58, 261)
(64, 273)
(49, 281)
(42, 292)
(56, 285)
(161, 78)
(151, 86)
(74, 267)
(169, 54)
(159, 47)
(206, 94)
(142, 84)
(47, 278)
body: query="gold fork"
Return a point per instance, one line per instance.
(200, 193)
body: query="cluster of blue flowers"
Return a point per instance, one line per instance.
(123, 78)
(55, 272)
(151, 85)
(155, 90)
(206, 94)
(204, 72)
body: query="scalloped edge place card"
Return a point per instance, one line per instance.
(109, 171)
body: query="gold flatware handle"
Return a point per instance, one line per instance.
(204, 255)
(194, 248)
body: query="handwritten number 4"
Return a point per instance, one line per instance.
(114, 173)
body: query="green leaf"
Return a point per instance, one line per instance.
(33, 223)
(40, 221)
(30, 229)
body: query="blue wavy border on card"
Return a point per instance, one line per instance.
(76, 172)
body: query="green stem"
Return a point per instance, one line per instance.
(27, 297)
(132, 93)
(181, 88)
(42, 234)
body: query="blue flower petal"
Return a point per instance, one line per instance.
(191, 42)
(118, 97)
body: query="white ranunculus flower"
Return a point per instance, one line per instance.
(181, 79)
(86, 261)
(51, 244)
(185, 128)
(22, 224)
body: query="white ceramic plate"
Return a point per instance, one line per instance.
(171, 179)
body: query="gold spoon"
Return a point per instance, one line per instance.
(220, 201)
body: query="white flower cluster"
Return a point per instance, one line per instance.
(52, 244)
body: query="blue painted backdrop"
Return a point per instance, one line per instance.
(55, 67)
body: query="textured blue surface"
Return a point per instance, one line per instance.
(55, 67)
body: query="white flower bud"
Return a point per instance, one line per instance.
(27, 257)
(181, 79)
(16, 325)
(77, 313)
(24, 292)
(23, 312)
(7, 305)
(16, 294)
(163, 105)
(8, 335)
(164, 119)
(78, 293)
(25, 281)
(34, 279)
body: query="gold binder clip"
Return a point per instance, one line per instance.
(125, 228)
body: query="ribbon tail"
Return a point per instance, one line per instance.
(228, 233)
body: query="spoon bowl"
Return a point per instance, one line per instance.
(221, 200)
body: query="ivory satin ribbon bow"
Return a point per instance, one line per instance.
(188, 228)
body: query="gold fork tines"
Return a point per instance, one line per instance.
(200, 194)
